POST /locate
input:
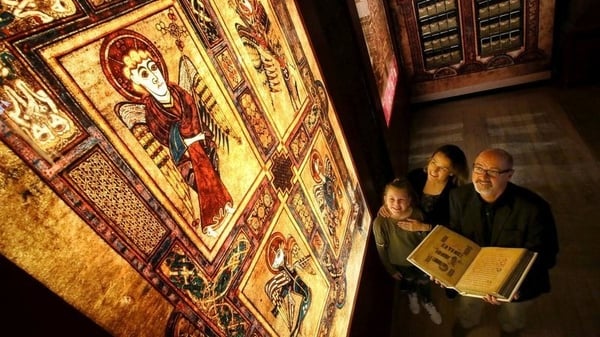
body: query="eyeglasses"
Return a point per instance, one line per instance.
(490, 173)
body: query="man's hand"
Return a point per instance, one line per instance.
(491, 299)
(494, 300)
(436, 281)
(397, 275)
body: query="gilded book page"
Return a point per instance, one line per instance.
(490, 270)
(445, 255)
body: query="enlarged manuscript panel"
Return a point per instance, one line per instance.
(197, 141)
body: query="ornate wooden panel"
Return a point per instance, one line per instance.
(454, 47)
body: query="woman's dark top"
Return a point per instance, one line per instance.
(436, 208)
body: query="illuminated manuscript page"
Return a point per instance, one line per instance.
(490, 269)
(444, 254)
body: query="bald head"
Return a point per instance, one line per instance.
(492, 171)
(500, 155)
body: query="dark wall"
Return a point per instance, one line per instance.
(576, 42)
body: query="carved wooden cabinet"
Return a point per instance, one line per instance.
(439, 32)
(499, 26)
(455, 47)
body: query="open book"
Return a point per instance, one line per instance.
(460, 264)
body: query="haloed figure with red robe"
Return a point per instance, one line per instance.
(173, 117)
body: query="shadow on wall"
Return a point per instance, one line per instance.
(35, 311)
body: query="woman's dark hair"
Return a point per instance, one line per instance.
(460, 168)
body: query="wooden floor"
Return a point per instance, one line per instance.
(554, 136)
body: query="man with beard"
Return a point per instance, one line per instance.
(493, 211)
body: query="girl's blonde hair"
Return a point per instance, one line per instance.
(402, 184)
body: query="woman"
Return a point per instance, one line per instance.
(446, 169)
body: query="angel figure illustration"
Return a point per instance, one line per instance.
(286, 287)
(178, 115)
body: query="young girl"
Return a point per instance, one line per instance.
(394, 244)
(446, 169)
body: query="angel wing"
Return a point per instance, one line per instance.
(211, 114)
